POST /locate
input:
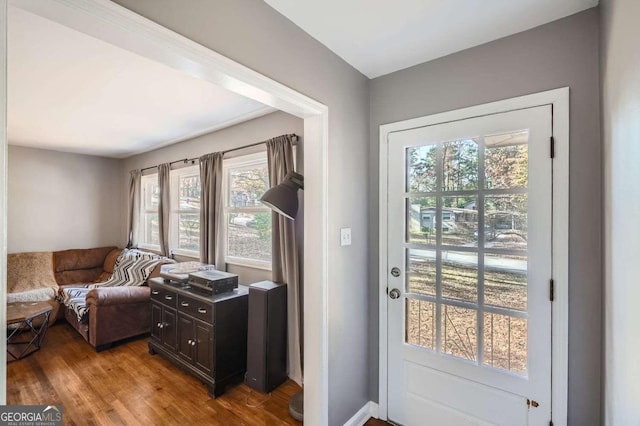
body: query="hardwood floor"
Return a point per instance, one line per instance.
(376, 422)
(125, 385)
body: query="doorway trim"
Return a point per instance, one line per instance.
(559, 99)
(121, 27)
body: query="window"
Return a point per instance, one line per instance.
(149, 225)
(247, 220)
(184, 225)
(185, 211)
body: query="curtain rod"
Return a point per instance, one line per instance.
(194, 159)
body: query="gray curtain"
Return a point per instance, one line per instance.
(211, 215)
(134, 207)
(284, 256)
(164, 207)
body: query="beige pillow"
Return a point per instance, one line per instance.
(30, 271)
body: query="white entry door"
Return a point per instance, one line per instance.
(469, 254)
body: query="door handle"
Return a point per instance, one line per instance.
(202, 310)
(168, 297)
(155, 292)
(185, 304)
(394, 293)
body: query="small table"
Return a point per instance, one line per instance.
(27, 324)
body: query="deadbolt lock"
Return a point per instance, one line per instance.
(395, 271)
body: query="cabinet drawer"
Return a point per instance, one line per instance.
(196, 308)
(163, 296)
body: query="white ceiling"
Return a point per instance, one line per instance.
(378, 37)
(71, 92)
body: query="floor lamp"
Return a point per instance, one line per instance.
(283, 199)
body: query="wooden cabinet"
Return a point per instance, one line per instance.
(205, 335)
(163, 326)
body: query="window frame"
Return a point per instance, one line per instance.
(228, 165)
(142, 224)
(174, 214)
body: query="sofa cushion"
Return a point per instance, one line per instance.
(110, 260)
(30, 271)
(109, 264)
(79, 265)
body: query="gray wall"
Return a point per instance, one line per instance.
(255, 35)
(256, 130)
(562, 53)
(621, 136)
(60, 201)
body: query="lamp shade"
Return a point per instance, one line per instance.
(283, 198)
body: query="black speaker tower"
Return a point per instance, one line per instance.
(267, 336)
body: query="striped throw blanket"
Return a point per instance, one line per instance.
(132, 268)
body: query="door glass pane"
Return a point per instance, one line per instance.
(459, 221)
(460, 275)
(445, 268)
(459, 332)
(460, 165)
(506, 160)
(421, 220)
(421, 271)
(421, 323)
(421, 168)
(505, 342)
(505, 281)
(506, 221)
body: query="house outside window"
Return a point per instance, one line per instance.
(247, 230)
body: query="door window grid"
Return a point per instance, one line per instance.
(459, 343)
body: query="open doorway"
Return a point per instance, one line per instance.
(123, 28)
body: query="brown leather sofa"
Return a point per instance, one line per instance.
(115, 313)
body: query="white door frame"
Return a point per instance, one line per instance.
(121, 27)
(559, 98)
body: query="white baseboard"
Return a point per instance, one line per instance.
(368, 410)
(374, 411)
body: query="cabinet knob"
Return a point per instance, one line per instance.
(185, 304)
(189, 341)
(160, 325)
(202, 310)
(193, 342)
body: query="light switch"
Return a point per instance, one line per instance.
(345, 236)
